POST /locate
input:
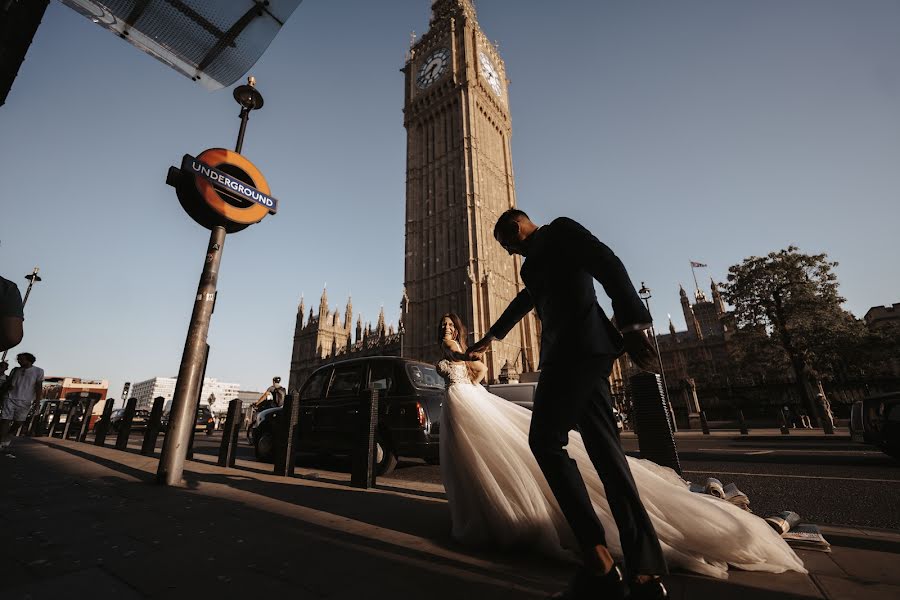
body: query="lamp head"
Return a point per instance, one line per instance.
(644, 292)
(248, 96)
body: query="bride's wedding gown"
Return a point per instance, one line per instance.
(498, 495)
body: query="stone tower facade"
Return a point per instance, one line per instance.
(459, 180)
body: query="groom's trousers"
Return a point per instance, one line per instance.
(575, 394)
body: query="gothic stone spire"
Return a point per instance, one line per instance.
(446, 9)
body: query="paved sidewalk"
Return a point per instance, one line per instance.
(81, 521)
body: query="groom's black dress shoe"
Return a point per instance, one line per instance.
(649, 590)
(585, 585)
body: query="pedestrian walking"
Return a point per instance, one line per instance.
(21, 392)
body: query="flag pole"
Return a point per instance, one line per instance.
(696, 285)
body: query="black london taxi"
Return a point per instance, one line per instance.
(875, 420)
(409, 410)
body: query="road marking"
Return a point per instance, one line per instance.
(796, 476)
(794, 450)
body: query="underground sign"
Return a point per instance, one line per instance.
(220, 187)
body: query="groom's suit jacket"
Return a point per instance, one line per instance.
(563, 260)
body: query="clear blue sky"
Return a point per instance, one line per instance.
(674, 130)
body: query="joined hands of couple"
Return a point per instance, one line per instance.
(637, 345)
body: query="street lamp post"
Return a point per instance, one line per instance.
(32, 278)
(645, 295)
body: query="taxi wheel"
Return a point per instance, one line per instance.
(385, 458)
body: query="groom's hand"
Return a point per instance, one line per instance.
(641, 351)
(476, 350)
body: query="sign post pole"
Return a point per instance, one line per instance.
(183, 413)
(190, 373)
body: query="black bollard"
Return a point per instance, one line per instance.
(102, 427)
(742, 423)
(70, 418)
(154, 425)
(362, 474)
(785, 423)
(190, 448)
(704, 424)
(656, 439)
(286, 436)
(28, 426)
(125, 424)
(86, 419)
(228, 448)
(54, 423)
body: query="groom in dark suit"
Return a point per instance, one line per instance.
(578, 347)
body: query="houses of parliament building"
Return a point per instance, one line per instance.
(459, 179)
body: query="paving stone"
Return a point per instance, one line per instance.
(837, 588)
(820, 563)
(746, 586)
(93, 582)
(868, 565)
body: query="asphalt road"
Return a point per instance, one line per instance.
(826, 480)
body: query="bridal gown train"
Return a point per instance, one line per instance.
(498, 495)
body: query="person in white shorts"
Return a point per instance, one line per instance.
(22, 391)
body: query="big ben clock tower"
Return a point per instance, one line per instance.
(459, 179)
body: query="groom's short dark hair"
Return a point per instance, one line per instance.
(506, 219)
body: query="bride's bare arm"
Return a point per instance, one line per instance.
(480, 371)
(452, 351)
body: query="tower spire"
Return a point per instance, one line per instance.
(690, 320)
(301, 310)
(379, 328)
(445, 9)
(717, 297)
(348, 314)
(323, 303)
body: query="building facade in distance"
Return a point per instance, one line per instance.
(696, 360)
(146, 391)
(459, 179)
(77, 388)
(881, 316)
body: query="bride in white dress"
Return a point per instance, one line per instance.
(498, 495)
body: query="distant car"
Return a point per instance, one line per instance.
(139, 422)
(523, 395)
(205, 421)
(517, 393)
(876, 420)
(409, 410)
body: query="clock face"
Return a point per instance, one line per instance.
(433, 67)
(489, 72)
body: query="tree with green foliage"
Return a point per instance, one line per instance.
(789, 315)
